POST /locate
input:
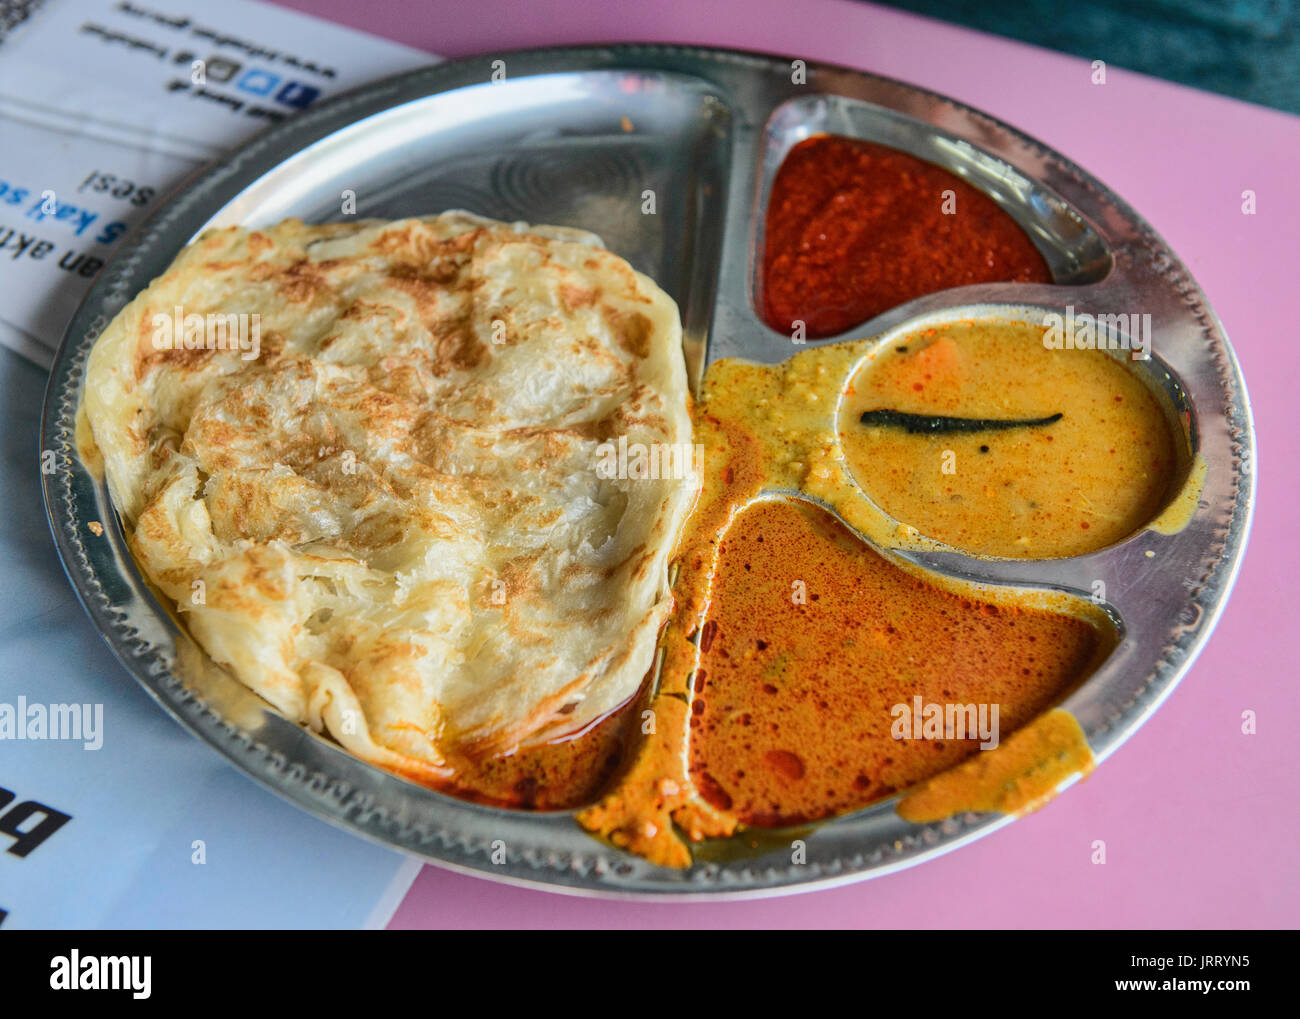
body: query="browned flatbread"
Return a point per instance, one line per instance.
(389, 519)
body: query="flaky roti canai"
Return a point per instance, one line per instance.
(377, 500)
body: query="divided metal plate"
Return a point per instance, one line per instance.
(581, 137)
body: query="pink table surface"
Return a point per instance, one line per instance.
(1199, 820)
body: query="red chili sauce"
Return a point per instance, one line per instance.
(855, 228)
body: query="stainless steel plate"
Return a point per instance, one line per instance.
(577, 136)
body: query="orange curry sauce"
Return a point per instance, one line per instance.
(812, 641)
(793, 640)
(854, 229)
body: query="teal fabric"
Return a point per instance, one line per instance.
(1249, 49)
